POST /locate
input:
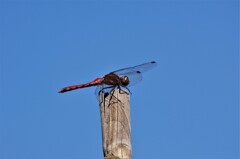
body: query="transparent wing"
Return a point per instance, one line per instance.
(141, 68)
(134, 77)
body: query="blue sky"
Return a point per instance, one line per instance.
(186, 108)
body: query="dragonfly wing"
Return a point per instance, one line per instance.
(141, 68)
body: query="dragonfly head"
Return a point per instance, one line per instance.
(125, 80)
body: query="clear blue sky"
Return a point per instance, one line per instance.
(186, 108)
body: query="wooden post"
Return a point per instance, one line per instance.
(116, 128)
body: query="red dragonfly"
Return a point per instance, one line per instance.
(116, 79)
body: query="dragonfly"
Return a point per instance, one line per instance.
(122, 78)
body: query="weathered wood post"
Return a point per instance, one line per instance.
(116, 128)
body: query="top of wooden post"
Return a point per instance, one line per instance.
(116, 129)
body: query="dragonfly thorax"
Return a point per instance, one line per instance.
(124, 80)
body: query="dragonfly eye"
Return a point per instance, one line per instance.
(125, 81)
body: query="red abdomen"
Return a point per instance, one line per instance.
(95, 82)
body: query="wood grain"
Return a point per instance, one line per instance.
(116, 128)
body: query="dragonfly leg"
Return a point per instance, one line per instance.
(113, 87)
(111, 92)
(112, 96)
(129, 90)
(121, 91)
